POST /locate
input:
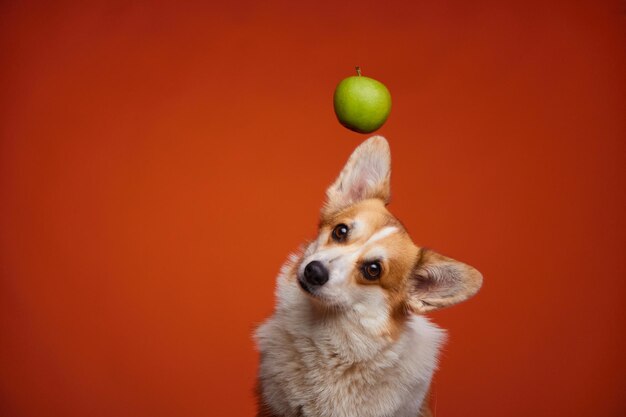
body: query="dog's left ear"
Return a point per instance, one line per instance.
(438, 281)
(366, 175)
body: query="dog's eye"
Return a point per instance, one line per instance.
(372, 270)
(340, 232)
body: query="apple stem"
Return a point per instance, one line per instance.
(358, 70)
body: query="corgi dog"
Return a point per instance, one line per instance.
(348, 337)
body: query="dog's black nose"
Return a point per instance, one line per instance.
(315, 273)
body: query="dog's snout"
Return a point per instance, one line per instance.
(315, 273)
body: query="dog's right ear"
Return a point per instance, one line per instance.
(366, 175)
(438, 281)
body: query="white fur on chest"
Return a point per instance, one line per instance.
(316, 366)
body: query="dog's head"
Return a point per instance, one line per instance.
(364, 260)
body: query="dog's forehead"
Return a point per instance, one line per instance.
(369, 222)
(365, 216)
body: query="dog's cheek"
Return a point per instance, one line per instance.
(311, 248)
(372, 307)
(338, 291)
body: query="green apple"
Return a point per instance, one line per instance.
(361, 103)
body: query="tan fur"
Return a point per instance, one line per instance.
(402, 254)
(355, 346)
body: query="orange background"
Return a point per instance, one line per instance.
(158, 161)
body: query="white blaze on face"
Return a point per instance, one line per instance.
(381, 234)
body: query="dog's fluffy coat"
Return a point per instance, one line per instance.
(357, 346)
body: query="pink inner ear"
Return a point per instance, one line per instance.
(358, 192)
(364, 181)
(366, 175)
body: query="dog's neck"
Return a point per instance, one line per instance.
(344, 334)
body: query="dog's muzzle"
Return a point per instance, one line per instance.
(315, 275)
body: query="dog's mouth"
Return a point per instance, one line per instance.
(312, 291)
(318, 298)
(306, 287)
